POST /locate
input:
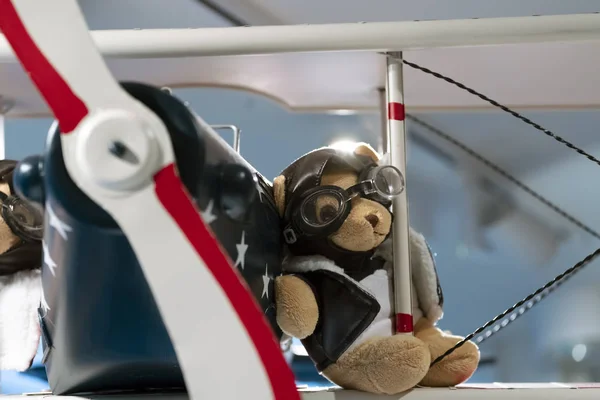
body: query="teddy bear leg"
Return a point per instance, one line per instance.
(387, 365)
(454, 368)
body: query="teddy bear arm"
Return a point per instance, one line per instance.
(297, 308)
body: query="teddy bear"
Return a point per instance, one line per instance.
(21, 227)
(336, 292)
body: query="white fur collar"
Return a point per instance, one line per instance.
(316, 263)
(424, 275)
(20, 296)
(313, 263)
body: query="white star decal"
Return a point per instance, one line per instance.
(241, 247)
(266, 281)
(44, 304)
(48, 259)
(207, 214)
(57, 224)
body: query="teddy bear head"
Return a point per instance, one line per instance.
(21, 227)
(337, 200)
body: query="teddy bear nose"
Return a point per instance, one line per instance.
(372, 219)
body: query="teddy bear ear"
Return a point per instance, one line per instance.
(364, 149)
(279, 193)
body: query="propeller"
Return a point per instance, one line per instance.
(119, 154)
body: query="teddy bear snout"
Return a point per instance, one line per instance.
(372, 219)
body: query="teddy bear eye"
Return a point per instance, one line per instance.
(321, 208)
(327, 213)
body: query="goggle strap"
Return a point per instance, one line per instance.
(363, 187)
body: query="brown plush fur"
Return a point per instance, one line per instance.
(7, 238)
(453, 369)
(368, 223)
(279, 193)
(386, 365)
(297, 309)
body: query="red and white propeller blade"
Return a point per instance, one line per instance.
(223, 342)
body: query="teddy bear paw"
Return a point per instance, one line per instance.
(455, 368)
(388, 365)
(297, 309)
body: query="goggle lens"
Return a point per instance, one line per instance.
(321, 209)
(25, 219)
(388, 181)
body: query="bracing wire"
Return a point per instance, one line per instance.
(523, 306)
(511, 314)
(504, 319)
(504, 174)
(505, 109)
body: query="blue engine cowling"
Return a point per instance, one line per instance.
(101, 329)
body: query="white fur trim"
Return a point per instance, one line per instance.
(435, 313)
(423, 271)
(424, 277)
(19, 326)
(302, 264)
(423, 274)
(313, 263)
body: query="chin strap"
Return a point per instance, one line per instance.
(25, 256)
(217, 329)
(356, 264)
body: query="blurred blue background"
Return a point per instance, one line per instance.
(31, 381)
(494, 244)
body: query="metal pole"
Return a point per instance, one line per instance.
(5, 106)
(383, 138)
(397, 149)
(2, 139)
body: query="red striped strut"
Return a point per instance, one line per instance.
(400, 227)
(396, 111)
(224, 344)
(404, 323)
